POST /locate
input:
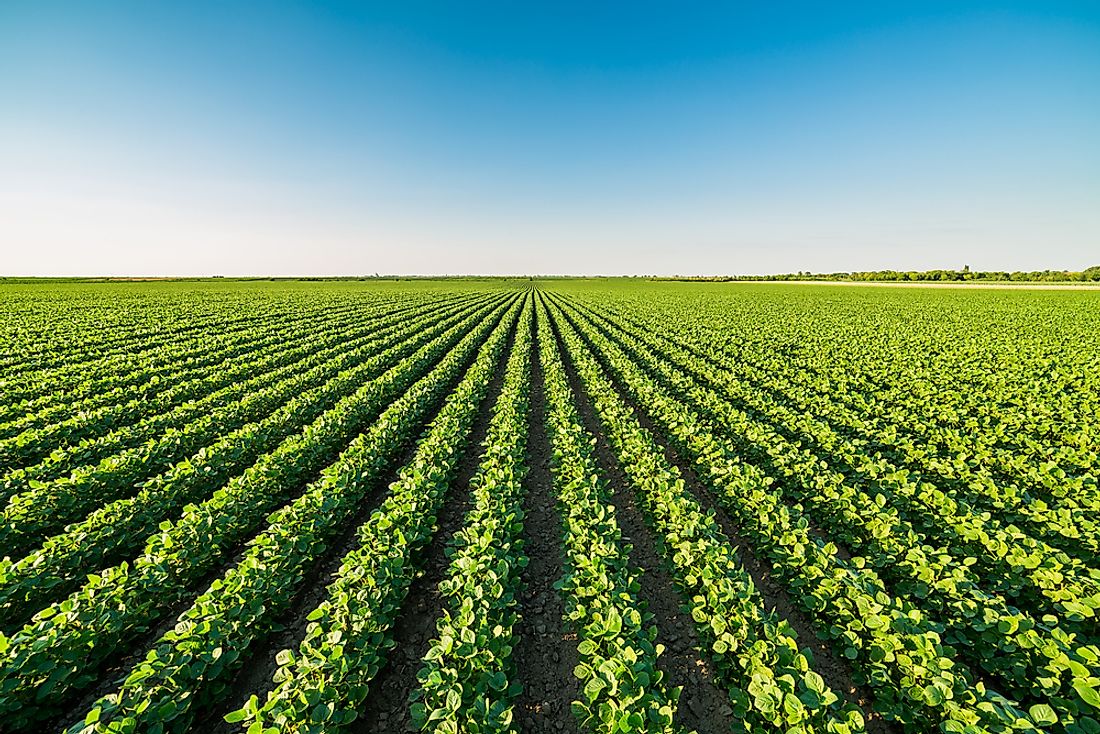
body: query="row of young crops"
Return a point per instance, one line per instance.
(508, 506)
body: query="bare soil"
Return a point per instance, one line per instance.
(546, 652)
(703, 706)
(386, 708)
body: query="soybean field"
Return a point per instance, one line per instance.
(548, 506)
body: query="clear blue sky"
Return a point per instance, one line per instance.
(326, 138)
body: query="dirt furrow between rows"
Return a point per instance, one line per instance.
(386, 708)
(546, 653)
(703, 705)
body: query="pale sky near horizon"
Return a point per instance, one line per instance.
(297, 138)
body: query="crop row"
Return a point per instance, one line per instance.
(23, 391)
(622, 686)
(1033, 661)
(142, 338)
(123, 376)
(900, 652)
(58, 456)
(1041, 442)
(1065, 519)
(97, 434)
(61, 647)
(70, 419)
(467, 681)
(208, 641)
(319, 686)
(117, 529)
(1027, 571)
(93, 325)
(771, 680)
(45, 508)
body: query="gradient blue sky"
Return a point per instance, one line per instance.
(407, 137)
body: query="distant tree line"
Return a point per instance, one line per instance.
(903, 276)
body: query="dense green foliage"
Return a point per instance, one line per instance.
(877, 508)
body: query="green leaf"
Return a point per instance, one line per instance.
(1087, 693)
(593, 687)
(1043, 715)
(934, 696)
(498, 681)
(234, 716)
